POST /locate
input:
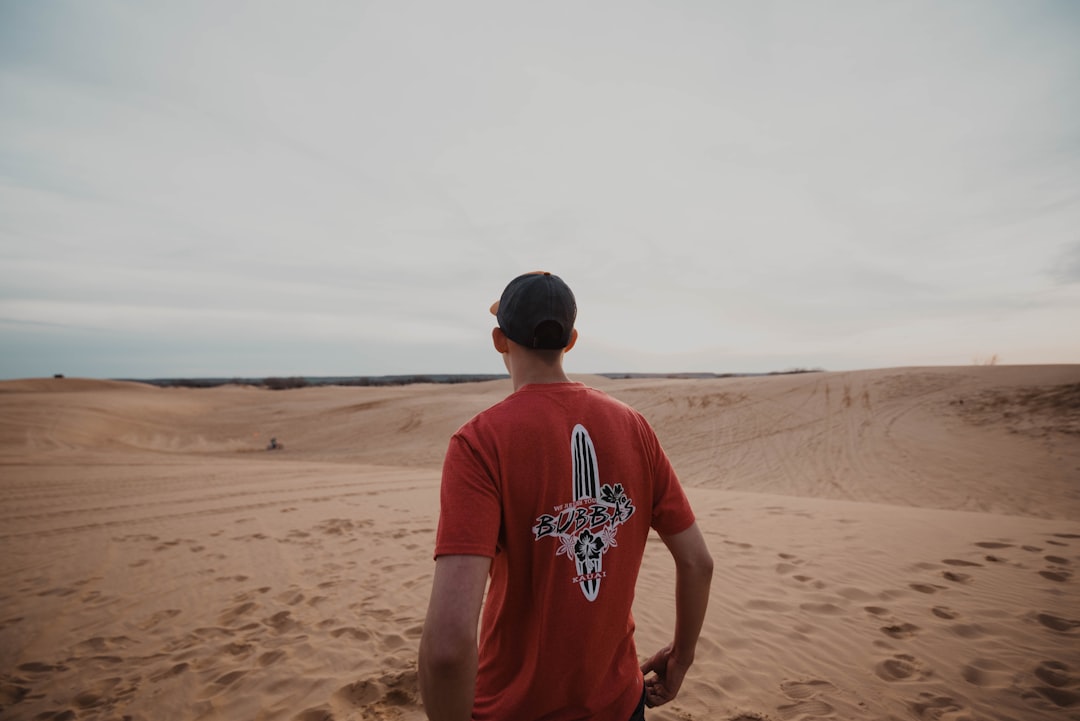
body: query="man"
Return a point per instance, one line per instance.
(553, 493)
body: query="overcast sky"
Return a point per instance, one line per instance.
(343, 188)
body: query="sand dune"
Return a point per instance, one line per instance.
(890, 544)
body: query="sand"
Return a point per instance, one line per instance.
(889, 544)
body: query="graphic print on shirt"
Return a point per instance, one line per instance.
(586, 527)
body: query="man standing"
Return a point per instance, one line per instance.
(552, 492)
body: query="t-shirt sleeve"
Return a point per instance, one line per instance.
(671, 509)
(470, 509)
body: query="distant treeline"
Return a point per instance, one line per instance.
(276, 383)
(707, 376)
(284, 383)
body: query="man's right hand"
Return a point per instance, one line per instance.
(668, 674)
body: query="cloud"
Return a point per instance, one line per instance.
(708, 176)
(1067, 268)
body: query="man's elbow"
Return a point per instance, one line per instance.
(697, 565)
(445, 654)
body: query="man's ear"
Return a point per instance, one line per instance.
(573, 340)
(499, 340)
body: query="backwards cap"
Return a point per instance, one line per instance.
(532, 300)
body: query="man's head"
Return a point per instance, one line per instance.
(537, 311)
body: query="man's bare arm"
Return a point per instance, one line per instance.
(448, 657)
(693, 578)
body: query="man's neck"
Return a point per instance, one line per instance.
(527, 370)
(525, 379)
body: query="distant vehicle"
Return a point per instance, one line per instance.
(274, 445)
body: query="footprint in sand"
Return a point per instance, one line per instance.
(932, 708)
(1056, 571)
(172, 671)
(269, 658)
(1056, 576)
(762, 604)
(1056, 623)
(235, 648)
(156, 619)
(379, 697)
(737, 544)
(804, 689)
(943, 612)
(958, 562)
(1060, 697)
(803, 693)
(988, 673)
(236, 613)
(166, 545)
(11, 693)
(925, 587)
(900, 630)
(901, 667)
(956, 577)
(41, 667)
(358, 634)
(993, 544)
(813, 708)
(824, 609)
(224, 683)
(340, 526)
(229, 678)
(1060, 690)
(100, 644)
(1056, 674)
(281, 622)
(968, 630)
(290, 597)
(360, 693)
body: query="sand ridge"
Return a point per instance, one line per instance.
(890, 544)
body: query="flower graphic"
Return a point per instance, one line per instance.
(566, 546)
(616, 496)
(612, 494)
(588, 547)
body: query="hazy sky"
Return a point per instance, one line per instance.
(343, 188)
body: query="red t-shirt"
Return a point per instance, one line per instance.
(559, 485)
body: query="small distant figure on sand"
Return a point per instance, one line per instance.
(274, 445)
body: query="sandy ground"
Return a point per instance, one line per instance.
(889, 544)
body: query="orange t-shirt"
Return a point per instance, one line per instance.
(559, 485)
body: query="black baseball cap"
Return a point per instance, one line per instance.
(529, 307)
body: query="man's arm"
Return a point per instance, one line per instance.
(693, 577)
(448, 657)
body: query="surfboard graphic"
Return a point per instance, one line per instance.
(586, 482)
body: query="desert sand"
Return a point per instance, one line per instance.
(889, 544)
